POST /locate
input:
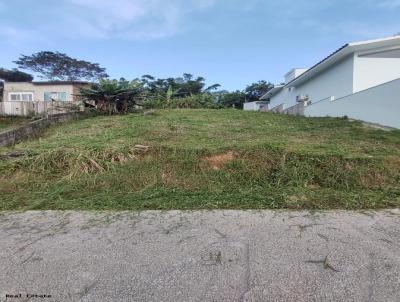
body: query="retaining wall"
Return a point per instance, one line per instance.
(379, 104)
(35, 128)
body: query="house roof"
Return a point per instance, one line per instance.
(338, 55)
(272, 92)
(257, 102)
(60, 83)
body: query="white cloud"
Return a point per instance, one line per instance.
(99, 19)
(131, 18)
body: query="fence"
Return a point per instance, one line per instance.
(38, 107)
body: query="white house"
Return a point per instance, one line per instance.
(360, 80)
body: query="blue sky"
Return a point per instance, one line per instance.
(230, 42)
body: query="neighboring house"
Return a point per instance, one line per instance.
(21, 98)
(360, 80)
(256, 106)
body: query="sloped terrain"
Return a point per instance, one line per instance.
(195, 159)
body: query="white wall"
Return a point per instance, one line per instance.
(376, 68)
(379, 104)
(282, 97)
(336, 81)
(253, 106)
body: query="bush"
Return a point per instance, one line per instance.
(193, 102)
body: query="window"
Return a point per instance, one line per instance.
(21, 96)
(55, 96)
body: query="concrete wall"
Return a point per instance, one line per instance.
(277, 109)
(336, 81)
(375, 69)
(35, 128)
(254, 106)
(297, 109)
(379, 104)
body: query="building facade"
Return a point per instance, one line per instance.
(65, 91)
(352, 69)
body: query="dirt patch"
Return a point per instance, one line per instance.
(373, 179)
(219, 160)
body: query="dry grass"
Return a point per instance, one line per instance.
(217, 161)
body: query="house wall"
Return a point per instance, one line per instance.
(375, 68)
(379, 104)
(336, 81)
(283, 98)
(39, 90)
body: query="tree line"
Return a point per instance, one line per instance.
(121, 95)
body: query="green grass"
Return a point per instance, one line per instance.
(10, 122)
(204, 159)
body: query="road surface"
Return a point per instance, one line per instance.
(200, 256)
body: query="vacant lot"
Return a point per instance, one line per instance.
(204, 159)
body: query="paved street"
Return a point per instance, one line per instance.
(200, 256)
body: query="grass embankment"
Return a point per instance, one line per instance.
(10, 122)
(204, 159)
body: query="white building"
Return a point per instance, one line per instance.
(256, 106)
(360, 80)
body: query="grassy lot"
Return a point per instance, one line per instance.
(204, 159)
(9, 122)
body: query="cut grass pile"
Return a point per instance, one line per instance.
(204, 159)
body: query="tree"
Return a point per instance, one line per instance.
(172, 88)
(256, 90)
(113, 96)
(233, 99)
(58, 66)
(14, 75)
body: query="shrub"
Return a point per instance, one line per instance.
(193, 101)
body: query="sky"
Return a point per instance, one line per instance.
(230, 42)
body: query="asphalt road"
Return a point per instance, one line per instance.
(200, 256)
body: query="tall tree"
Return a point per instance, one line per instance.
(14, 75)
(58, 66)
(256, 90)
(232, 99)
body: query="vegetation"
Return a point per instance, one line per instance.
(113, 96)
(58, 66)
(256, 90)
(14, 75)
(119, 96)
(10, 122)
(204, 159)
